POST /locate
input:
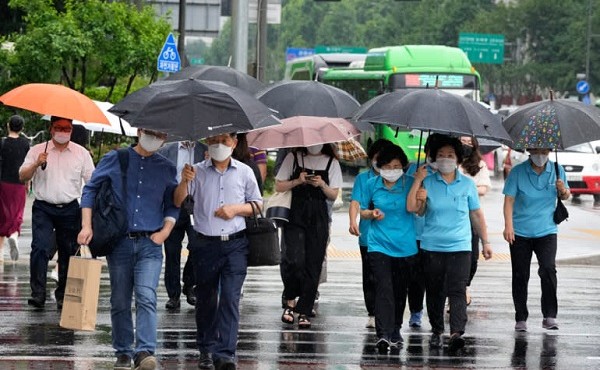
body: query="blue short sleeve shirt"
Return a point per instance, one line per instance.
(394, 235)
(358, 191)
(535, 199)
(447, 225)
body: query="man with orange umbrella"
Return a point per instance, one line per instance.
(57, 170)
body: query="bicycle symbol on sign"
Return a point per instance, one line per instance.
(169, 54)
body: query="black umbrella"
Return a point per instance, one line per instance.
(553, 124)
(227, 75)
(308, 98)
(193, 109)
(433, 110)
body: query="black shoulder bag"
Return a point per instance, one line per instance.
(560, 213)
(109, 219)
(263, 238)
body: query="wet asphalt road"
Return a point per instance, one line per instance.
(338, 339)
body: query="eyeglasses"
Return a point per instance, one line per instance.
(63, 129)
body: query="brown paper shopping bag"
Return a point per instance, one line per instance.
(81, 294)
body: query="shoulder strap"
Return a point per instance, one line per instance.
(329, 164)
(557, 177)
(124, 164)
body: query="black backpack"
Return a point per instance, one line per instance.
(109, 219)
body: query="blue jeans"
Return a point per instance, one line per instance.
(220, 269)
(134, 267)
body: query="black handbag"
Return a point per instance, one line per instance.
(560, 213)
(263, 239)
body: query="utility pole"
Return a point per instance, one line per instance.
(239, 19)
(181, 40)
(589, 41)
(261, 40)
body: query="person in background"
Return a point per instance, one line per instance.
(313, 175)
(243, 153)
(180, 153)
(135, 263)
(362, 228)
(57, 168)
(475, 168)
(222, 188)
(13, 192)
(530, 193)
(449, 204)
(392, 243)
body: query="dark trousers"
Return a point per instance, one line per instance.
(474, 255)
(301, 262)
(446, 276)
(520, 256)
(65, 223)
(220, 269)
(368, 281)
(392, 275)
(416, 286)
(173, 257)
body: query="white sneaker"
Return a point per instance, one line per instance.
(370, 323)
(54, 275)
(14, 246)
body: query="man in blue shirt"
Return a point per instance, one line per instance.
(135, 263)
(221, 188)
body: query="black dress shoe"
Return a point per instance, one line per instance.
(36, 302)
(206, 362)
(172, 304)
(225, 364)
(191, 299)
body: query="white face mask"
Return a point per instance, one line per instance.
(150, 143)
(219, 152)
(446, 165)
(391, 175)
(315, 149)
(62, 137)
(539, 159)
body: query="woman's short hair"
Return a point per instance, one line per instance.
(376, 147)
(390, 152)
(445, 140)
(16, 123)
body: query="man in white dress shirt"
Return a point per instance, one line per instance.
(57, 168)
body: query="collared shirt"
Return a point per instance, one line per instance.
(447, 224)
(150, 186)
(358, 192)
(213, 189)
(394, 235)
(65, 173)
(535, 199)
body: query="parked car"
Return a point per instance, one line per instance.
(582, 166)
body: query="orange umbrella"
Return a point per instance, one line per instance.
(55, 100)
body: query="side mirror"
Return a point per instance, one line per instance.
(598, 149)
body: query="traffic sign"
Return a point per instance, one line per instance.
(482, 47)
(168, 59)
(583, 87)
(293, 53)
(323, 49)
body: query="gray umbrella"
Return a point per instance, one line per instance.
(227, 75)
(193, 109)
(308, 98)
(433, 110)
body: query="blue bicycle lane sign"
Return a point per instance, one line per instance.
(168, 59)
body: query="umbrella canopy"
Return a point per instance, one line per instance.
(301, 131)
(350, 150)
(54, 100)
(227, 75)
(553, 124)
(308, 98)
(114, 121)
(193, 109)
(433, 110)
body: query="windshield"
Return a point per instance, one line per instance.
(581, 148)
(361, 90)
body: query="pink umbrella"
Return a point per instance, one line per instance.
(301, 131)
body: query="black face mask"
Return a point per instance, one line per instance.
(467, 151)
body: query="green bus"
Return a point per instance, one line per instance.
(312, 66)
(393, 68)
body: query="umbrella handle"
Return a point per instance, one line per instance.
(45, 163)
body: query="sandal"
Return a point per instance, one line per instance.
(288, 315)
(303, 322)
